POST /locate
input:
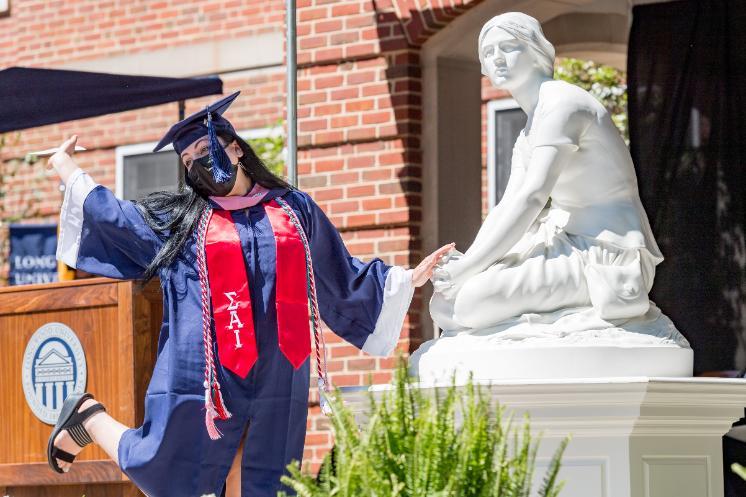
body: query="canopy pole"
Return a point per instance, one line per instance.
(292, 97)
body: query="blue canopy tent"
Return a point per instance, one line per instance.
(31, 97)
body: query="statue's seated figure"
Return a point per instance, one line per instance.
(569, 247)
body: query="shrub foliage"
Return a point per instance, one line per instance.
(427, 443)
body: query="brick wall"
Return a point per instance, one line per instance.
(359, 115)
(359, 125)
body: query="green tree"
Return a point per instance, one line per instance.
(270, 150)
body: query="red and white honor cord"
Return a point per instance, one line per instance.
(318, 336)
(214, 404)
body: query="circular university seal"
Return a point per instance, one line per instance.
(53, 368)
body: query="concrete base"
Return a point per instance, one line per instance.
(438, 360)
(631, 437)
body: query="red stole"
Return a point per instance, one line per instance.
(231, 300)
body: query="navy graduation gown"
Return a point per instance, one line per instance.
(171, 453)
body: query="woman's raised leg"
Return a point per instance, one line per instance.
(104, 430)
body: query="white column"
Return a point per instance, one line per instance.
(58, 394)
(48, 386)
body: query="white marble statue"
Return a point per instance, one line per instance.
(567, 258)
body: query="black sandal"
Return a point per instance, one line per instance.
(72, 421)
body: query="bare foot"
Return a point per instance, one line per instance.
(64, 441)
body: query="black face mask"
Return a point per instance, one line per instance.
(200, 177)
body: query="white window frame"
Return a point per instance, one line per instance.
(124, 151)
(494, 106)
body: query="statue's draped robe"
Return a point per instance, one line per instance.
(591, 247)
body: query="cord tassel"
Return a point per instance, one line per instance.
(326, 408)
(210, 415)
(220, 407)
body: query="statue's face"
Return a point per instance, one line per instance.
(506, 60)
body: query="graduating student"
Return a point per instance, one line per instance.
(247, 264)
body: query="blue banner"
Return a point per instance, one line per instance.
(32, 253)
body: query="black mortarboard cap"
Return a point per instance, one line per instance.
(186, 131)
(208, 121)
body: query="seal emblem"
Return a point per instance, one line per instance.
(53, 368)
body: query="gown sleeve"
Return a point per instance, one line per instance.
(101, 234)
(365, 303)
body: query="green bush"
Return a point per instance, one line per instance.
(270, 151)
(417, 443)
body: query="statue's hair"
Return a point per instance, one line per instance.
(527, 29)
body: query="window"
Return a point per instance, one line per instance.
(505, 120)
(140, 171)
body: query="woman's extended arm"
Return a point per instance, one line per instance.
(365, 303)
(99, 233)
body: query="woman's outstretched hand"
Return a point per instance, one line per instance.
(62, 160)
(424, 270)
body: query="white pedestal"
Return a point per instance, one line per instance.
(631, 437)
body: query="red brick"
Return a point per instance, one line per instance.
(360, 49)
(326, 110)
(344, 94)
(361, 220)
(328, 82)
(377, 174)
(328, 165)
(311, 14)
(327, 26)
(359, 105)
(361, 161)
(311, 42)
(376, 117)
(312, 124)
(376, 203)
(344, 121)
(375, 89)
(361, 133)
(344, 178)
(345, 9)
(361, 191)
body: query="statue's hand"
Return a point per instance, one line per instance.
(451, 274)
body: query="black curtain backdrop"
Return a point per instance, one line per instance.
(687, 107)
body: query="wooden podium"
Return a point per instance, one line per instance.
(117, 324)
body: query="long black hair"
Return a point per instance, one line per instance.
(174, 215)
